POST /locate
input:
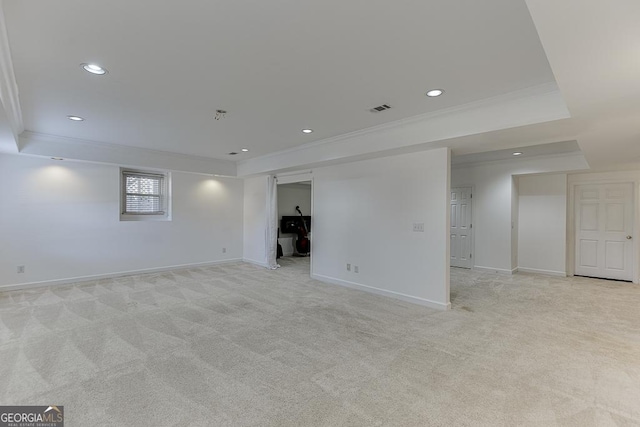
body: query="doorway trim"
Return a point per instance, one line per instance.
(574, 180)
(471, 229)
(295, 177)
(473, 223)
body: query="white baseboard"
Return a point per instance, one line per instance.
(415, 300)
(80, 279)
(495, 270)
(254, 262)
(546, 272)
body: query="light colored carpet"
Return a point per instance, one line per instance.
(240, 345)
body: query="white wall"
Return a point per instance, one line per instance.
(364, 214)
(290, 196)
(491, 213)
(255, 220)
(542, 229)
(61, 221)
(493, 204)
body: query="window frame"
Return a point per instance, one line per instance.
(164, 195)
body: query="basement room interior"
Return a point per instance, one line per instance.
(320, 213)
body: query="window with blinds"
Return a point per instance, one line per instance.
(143, 193)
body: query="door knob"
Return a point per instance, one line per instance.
(628, 237)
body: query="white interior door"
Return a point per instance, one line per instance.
(461, 228)
(604, 231)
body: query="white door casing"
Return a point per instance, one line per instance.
(461, 228)
(604, 231)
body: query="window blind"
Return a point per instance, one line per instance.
(143, 193)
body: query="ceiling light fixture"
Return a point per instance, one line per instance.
(245, 150)
(517, 153)
(94, 69)
(75, 118)
(434, 92)
(307, 130)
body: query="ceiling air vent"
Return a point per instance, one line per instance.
(233, 153)
(379, 108)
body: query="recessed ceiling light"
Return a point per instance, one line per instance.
(435, 92)
(94, 69)
(307, 130)
(517, 153)
(75, 118)
(245, 149)
(57, 158)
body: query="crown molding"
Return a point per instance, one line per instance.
(8, 85)
(570, 156)
(544, 89)
(537, 104)
(39, 144)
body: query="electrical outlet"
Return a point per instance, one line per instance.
(355, 269)
(418, 227)
(348, 267)
(224, 250)
(20, 269)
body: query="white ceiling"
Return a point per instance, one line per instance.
(277, 67)
(283, 66)
(551, 149)
(594, 49)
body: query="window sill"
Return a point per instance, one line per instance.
(125, 217)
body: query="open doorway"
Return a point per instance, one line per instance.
(294, 225)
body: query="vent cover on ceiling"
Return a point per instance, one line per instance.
(233, 153)
(379, 108)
